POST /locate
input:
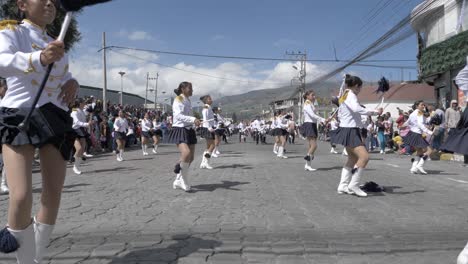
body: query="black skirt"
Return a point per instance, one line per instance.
(279, 132)
(415, 140)
(181, 135)
(49, 125)
(146, 134)
(220, 131)
(347, 136)
(157, 132)
(81, 133)
(309, 129)
(206, 134)
(120, 135)
(457, 140)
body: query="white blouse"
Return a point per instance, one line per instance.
(417, 123)
(309, 113)
(145, 125)
(20, 49)
(121, 125)
(208, 117)
(350, 111)
(79, 119)
(182, 108)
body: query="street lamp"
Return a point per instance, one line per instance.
(122, 73)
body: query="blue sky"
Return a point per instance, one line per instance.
(253, 28)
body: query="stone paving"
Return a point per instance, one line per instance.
(255, 208)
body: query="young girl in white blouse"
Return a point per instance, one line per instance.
(309, 127)
(349, 135)
(120, 133)
(26, 50)
(417, 135)
(145, 125)
(183, 134)
(207, 131)
(156, 132)
(79, 125)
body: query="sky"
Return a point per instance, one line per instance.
(248, 28)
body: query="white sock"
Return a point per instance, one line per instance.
(155, 147)
(42, 234)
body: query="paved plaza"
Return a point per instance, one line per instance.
(255, 208)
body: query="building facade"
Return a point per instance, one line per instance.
(443, 45)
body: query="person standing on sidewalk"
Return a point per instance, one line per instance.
(349, 135)
(452, 116)
(183, 135)
(309, 127)
(26, 50)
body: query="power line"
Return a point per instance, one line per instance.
(241, 57)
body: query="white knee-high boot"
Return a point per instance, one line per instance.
(463, 256)
(346, 174)
(3, 185)
(27, 245)
(420, 165)
(414, 164)
(354, 183)
(205, 164)
(76, 166)
(42, 234)
(281, 152)
(181, 180)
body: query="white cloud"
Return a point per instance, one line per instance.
(218, 37)
(88, 70)
(135, 35)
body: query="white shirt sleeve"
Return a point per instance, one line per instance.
(312, 114)
(76, 121)
(352, 103)
(178, 109)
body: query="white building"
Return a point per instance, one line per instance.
(443, 44)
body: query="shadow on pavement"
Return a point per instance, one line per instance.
(391, 190)
(234, 166)
(330, 169)
(170, 254)
(114, 169)
(228, 185)
(438, 172)
(65, 188)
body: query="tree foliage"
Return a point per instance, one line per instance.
(9, 10)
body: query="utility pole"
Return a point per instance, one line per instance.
(104, 89)
(146, 94)
(302, 57)
(156, 91)
(122, 73)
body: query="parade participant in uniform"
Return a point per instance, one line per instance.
(182, 134)
(348, 135)
(309, 128)
(219, 132)
(145, 133)
(282, 133)
(458, 138)
(157, 134)
(333, 126)
(120, 133)
(79, 125)
(415, 138)
(275, 131)
(207, 131)
(256, 127)
(3, 184)
(26, 50)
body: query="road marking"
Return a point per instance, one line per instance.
(393, 165)
(459, 181)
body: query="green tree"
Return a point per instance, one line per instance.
(9, 10)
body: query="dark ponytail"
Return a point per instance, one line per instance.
(204, 98)
(415, 105)
(182, 86)
(352, 81)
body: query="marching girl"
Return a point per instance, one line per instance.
(458, 138)
(182, 134)
(3, 184)
(333, 126)
(120, 133)
(282, 133)
(145, 133)
(157, 134)
(349, 135)
(417, 124)
(79, 125)
(207, 131)
(309, 128)
(276, 132)
(25, 52)
(219, 132)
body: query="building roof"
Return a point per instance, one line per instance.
(403, 92)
